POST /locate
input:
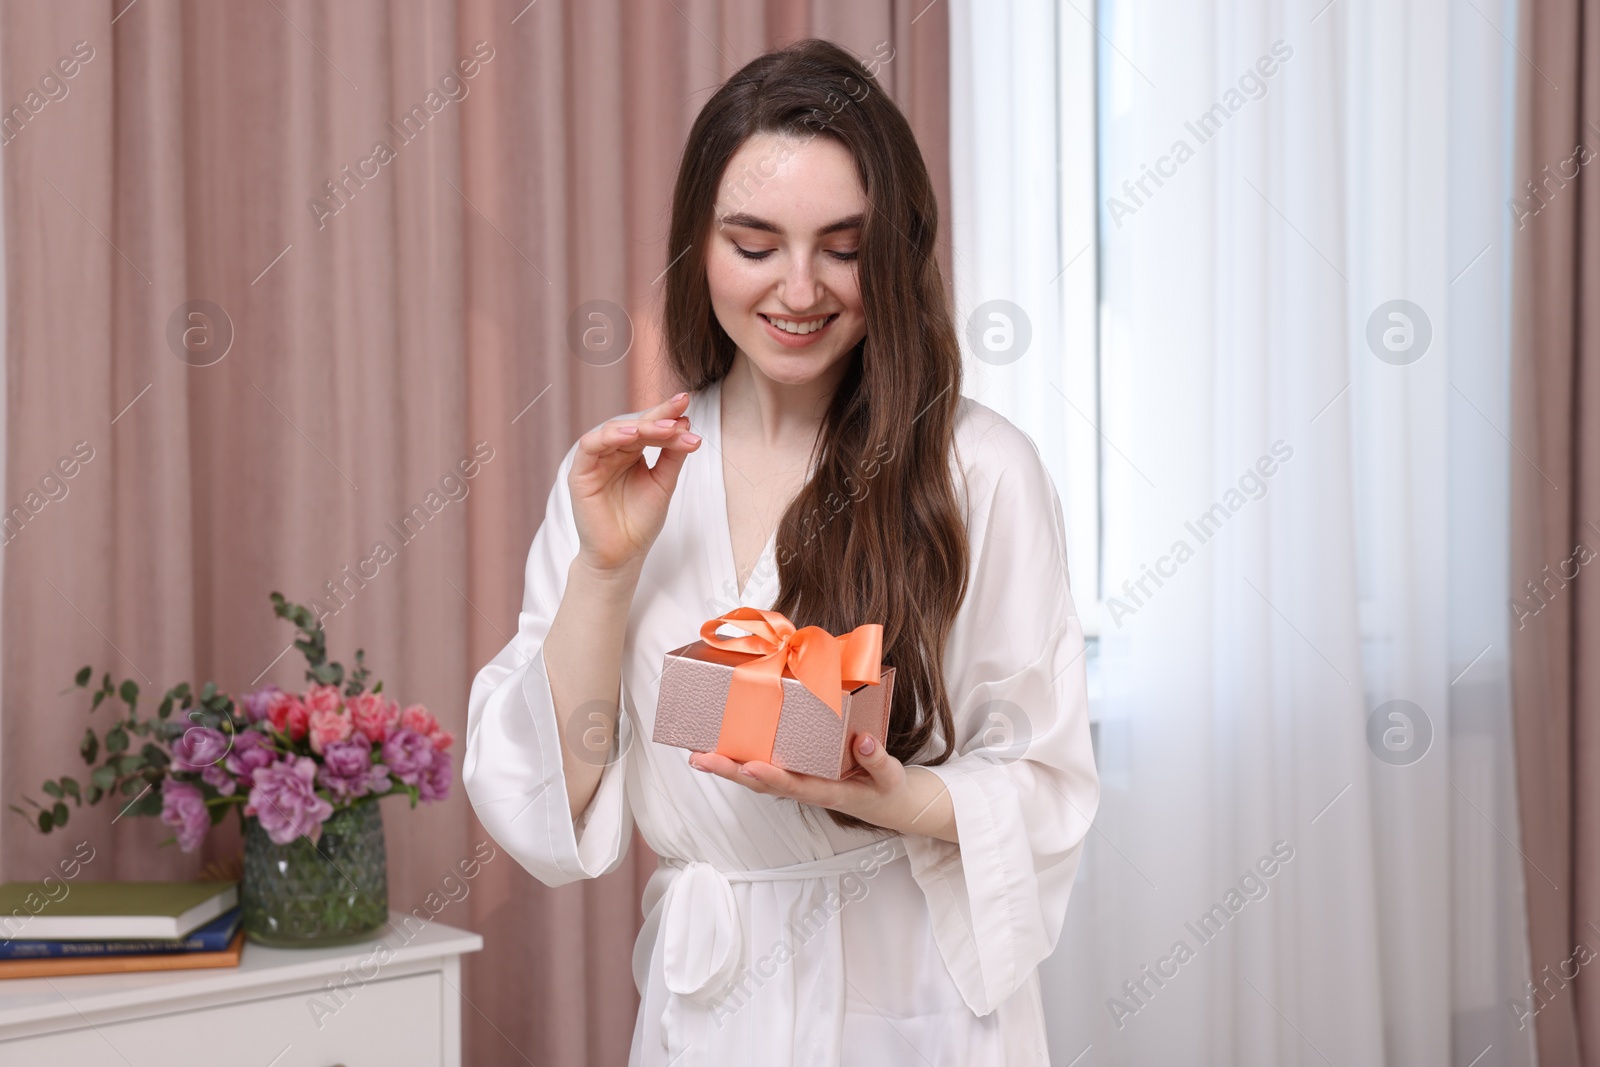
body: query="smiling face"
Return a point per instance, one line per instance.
(780, 256)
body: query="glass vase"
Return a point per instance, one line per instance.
(303, 895)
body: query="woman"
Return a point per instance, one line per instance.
(843, 480)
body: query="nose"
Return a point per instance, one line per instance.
(799, 288)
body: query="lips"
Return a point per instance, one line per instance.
(798, 340)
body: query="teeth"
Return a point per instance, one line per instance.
(790, 326)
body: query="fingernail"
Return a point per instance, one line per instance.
(680, 396)
(867, 745)
(746, 772)
(628, 429)
(666, 423)
(691, 438)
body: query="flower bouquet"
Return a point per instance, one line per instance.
(301, 768)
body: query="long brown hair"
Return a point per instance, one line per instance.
(877, 534)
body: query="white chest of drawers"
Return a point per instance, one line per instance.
(393, 1001)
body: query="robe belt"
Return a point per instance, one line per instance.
(702, 932)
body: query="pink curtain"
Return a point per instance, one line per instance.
(390, 313)
(1555, 519)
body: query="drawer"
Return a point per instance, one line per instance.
(396, 1022)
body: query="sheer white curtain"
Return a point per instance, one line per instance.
(1024, 243)
(1306, 849)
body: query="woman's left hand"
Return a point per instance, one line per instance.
(909, 800)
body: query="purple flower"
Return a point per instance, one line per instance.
(184, 809)
(219, 779)
(284, 799)
(435, 783)
(259, 703)
(252, 750)
(408, 754)
(347, 769)
(347, 760)
(199, 747)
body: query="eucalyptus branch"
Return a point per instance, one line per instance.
(313, 644)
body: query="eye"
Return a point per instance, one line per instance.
(844, 257)
(747, 254)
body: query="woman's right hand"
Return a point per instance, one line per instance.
(619, 502)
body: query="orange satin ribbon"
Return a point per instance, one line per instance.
(824, 664)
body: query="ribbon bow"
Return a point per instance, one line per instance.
(826, 665)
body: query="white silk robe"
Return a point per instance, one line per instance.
(908, 950)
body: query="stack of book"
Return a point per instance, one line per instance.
(59, 928)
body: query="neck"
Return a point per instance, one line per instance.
(777, 414)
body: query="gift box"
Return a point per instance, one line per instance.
(792, 698)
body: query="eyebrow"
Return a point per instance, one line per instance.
(751, 222)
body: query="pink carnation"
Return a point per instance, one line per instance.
(323, 698)
(290, 717)
(327, 726)
(418, 718)
(374, 716)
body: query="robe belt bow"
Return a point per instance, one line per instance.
(702, 932)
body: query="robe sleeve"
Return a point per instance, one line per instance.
(513, 768)
(1022, 779)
